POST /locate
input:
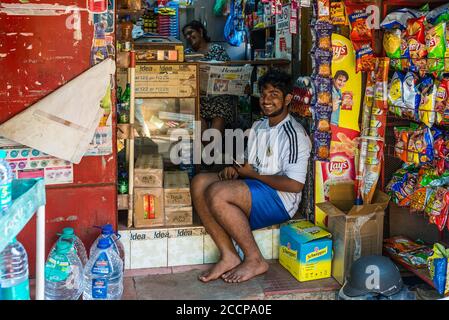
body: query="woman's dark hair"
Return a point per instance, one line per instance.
(278, 79)
(198, 26)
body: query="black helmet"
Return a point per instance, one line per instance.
(372, 274)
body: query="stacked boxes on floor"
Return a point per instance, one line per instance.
(148, 191)
(178, 202)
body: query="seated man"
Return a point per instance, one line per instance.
(264, 191)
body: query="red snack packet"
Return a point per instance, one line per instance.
(358, 16)
(365, 60)
(416, 38)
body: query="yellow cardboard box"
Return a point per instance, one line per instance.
(305, 250)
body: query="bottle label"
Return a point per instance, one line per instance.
(99, 288)
(19, 292)
(102, 265)
(57, 268)
(5, 195)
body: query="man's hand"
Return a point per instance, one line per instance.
(228, 173)
(246, 171)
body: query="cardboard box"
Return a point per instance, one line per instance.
(356, 230)
(177, 216)
(147, 48)
(305, 250)
(177, 189)
(148, 171)
(148, 207)
(166, 80)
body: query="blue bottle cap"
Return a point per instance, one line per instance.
(104, 243)
(107, 229)
(2, 154)
(68, 232)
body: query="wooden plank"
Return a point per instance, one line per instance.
(177, 189)
(148, 171)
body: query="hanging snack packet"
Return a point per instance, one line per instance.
(398, 18)
(322, 9)
(411, 97)
(322, 115)
(392, 43)
(418, 200)
(395, 94)
(338, 15)
(365, 60)
(323, 61)
(401, 135)
(323, 89)
(358, 16)
(405, 53)
(441, 99)
(426, 110)
(436, 202)
(441, 151)
(416, 41)
(322, 141)
(436, 47)
(437, 15)
(403, 189)
(323, 34)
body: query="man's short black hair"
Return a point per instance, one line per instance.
(278, 79)
(341, 73)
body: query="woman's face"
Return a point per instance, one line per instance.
(193, 37)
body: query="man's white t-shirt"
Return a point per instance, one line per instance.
(284, 150)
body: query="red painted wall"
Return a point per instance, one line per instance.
(38, 54)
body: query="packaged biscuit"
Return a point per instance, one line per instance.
(392, 43)
(358, 16)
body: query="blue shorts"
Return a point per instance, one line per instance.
(267, 208)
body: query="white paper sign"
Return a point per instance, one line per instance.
(283, 36)
(217, 80)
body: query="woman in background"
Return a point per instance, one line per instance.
(218, 109)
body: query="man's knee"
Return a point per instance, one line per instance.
(198, 184)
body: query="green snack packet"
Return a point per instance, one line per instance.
(436, 47)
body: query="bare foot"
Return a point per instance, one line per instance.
(222, 266)
(245, 271)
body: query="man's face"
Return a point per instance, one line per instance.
(340, 82)
(193, 37)
(272, 101)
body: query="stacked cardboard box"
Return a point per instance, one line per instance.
(148, 191)
(357, 230)
(177, 199)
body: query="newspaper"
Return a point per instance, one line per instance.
(217, 80)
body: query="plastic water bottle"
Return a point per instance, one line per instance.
(14, 283)
(63, 274)
(6, 176)
(107, 231)
(103, 273)
(68, 235)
